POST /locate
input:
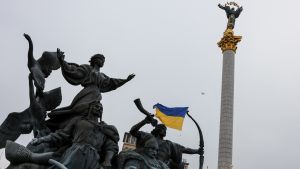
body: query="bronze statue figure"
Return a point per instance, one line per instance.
(33, 117)
(94, 83)
(145, 158)
(92, 144)
(231, 12)
(79, 140)
(169, 152)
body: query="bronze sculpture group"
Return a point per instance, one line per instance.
(76, 137)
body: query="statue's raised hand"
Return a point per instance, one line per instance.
(131, 76)
(60, 55)
(150, 120)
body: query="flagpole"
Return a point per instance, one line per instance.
(201, 142)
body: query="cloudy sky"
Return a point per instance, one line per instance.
(171, 47)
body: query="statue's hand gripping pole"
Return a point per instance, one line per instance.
(139, 105)
(201, 143)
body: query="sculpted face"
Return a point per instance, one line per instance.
(162, 133)
(95, 110)
(151, 152)
(161, 130)
(99, 62)
(151, 148)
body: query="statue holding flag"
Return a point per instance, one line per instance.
(168, 151)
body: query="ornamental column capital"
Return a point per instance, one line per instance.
(229, 41)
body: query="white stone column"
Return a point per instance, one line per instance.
(228, 45)
(226, 119)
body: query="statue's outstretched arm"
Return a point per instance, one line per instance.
(108, 84)
(73, 73)
(66, 66)
(135, 129)
(187, 150)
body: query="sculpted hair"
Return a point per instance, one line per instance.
(95, 57)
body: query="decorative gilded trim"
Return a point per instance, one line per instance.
(229, 41)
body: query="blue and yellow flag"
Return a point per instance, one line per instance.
(171, 117)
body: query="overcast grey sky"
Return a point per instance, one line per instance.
(171, 47)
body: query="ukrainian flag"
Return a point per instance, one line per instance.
(171, 117)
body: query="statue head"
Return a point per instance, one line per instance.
(95, 111)
(160, 130)
(97, 59)
(151, 148)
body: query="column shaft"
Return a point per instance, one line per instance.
(226, 119)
